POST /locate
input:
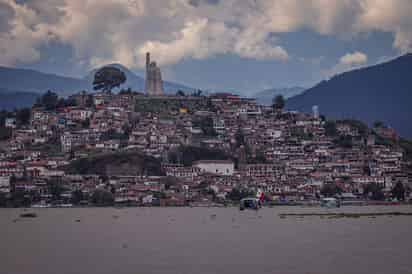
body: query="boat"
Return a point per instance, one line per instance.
(249, 203)
(329, 202)
(40, 206)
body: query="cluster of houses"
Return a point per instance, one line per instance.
(288, 155)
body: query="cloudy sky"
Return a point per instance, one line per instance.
(242, 45)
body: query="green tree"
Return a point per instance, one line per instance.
(5, 133)
(180, 93)
(377, 124)
(198, 93)
(169, 182)
(345, 141)
(86, 123)
(278, 103)
(189, 154)
(55, 189)
(240, 138)
(49, 100)
(102, 197)
(108, 78)
(77, 197)
(23, 116)
(206, 125)
(239, 193)
(3, 199)
(330, 128)
(89, 101)
(69, 102)
(260, 157)
(330, 190)
(374, 191)
(398, 192)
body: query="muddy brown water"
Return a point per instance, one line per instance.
(204, 240)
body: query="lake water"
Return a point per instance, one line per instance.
(203, 240)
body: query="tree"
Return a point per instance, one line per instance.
(330, 128)
(206, 125)
(86, 123)
(69, 102)
(3, 199)
(89, 101)
(345, 141)
(398, 192)
(77, 196)
(237, 194)
(169, 182)
(240, 138)
(377, 124)
(198, 93)
(278, 103)
(55, 189)
(374, 192)
(180, 93)
(189, 154)
(102, 197)
(260, 157)
(5, 133)
(49, 100)
(108, 78)
(23, 116)
(330, 190)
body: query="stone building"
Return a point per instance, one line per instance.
(153, 81)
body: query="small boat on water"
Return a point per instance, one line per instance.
(249, 203)
(40, 206)
(329, 202)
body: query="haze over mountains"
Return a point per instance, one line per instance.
(381, 92)
(17, 84)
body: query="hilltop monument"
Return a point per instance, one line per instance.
(153, 81)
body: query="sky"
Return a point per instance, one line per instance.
(225, 45)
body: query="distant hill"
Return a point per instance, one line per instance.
(38, 82)
(381, 92)
(16, 99)
(31, 81)
(265, 97)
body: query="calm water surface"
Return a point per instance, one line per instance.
(203, 240)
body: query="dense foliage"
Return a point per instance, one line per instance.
(108, 78)
(129, 163)
(186, 155)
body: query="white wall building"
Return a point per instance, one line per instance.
(221, 167)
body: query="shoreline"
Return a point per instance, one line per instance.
(234, 205)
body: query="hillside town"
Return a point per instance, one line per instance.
(134, 148)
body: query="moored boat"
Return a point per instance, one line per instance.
(249, 203)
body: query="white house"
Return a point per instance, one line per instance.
(221, 167)
(5, 184)
(10, 122)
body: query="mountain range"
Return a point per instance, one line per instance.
(381, 92)
(15, 79)
(10, 100)
(265, 97)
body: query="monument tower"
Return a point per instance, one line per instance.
(153, 81)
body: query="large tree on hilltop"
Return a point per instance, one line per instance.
(108, 78)
(278, 103)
